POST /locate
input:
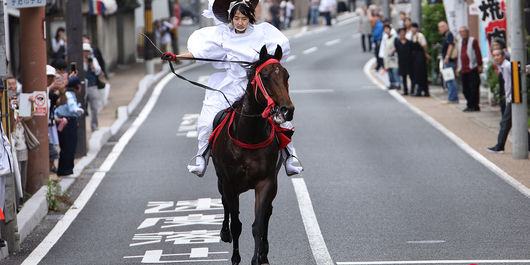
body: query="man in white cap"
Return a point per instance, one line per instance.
(92, 70)
(56, 96)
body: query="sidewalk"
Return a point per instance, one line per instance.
(477, 129)
(128, 85)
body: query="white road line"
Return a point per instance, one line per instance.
(314, 235)
(310, 50)
(310, 91)
(453, 137)
(467, 262)
(290, 58)
(332, 42)
(44, 247)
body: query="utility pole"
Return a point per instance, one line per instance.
(416, 12)
(519, 110)
(148, 47)
(74, 31)
(386, 8)
(33, 69)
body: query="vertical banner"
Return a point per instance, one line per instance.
(456, 13)
(492, 13)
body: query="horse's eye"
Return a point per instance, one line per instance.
(265, 78)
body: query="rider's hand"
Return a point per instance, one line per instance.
(169, 56)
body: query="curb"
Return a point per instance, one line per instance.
(449, 134)
(36, 208)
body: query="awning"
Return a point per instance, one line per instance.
(103, 7)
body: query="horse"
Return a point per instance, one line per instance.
(245, 157)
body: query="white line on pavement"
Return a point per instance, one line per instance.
(310, 91)
(44, 247)
(453, 137)
(431, 262)
(332, 42)
(314, 235)
(290, 58)
(310, 50)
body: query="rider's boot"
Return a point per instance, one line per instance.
(201, 160)
(288, 156)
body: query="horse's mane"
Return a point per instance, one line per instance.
(251, 70)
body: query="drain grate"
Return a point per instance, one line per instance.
(54, 216)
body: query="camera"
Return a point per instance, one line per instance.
(90, 58)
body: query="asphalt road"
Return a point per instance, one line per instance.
(384, 184)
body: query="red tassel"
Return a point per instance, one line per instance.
(2, 215)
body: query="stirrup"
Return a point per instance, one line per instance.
(284, 165)
(199, 174)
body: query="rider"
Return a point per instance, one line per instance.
(235, 38)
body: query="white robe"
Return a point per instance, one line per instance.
(221, 42)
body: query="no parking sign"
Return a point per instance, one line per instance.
(40, 103)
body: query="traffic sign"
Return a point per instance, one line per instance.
(25, 3)
(40, 103)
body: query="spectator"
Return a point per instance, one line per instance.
(377, 36)
(394, 16)
(68, 114)
(393, 32)
(275, 13)
(60, 66)
(420, 62)
(56, 97)
(92, 70)
(390, 59)
(59, 43)
(365, 28)
(325, 8)
(287, 7)
(408, 23)
(266, 11)
(313, 10)
(447, 49)
(163, 31)
(499, 44)
(504, 66)
(404, 50)
(6, 166)
(96, 52)
(401, 21)
(18, 136)
(469, 65)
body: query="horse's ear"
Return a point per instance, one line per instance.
(263, 53)
(279, 53)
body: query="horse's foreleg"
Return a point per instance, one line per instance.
(226, 236)
(231, 202)
(265, 194)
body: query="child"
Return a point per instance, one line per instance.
(68, 132)
(390, 58)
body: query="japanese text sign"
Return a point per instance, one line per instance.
(25, 3)
(493, 16)
(40, 103)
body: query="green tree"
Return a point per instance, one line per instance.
(432, 15)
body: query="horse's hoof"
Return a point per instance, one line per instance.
(226, 236)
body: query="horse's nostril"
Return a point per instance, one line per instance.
(284, 111)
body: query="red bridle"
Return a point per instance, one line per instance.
(256, 82)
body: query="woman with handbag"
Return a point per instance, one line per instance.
(24, 140)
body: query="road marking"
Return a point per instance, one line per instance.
(310, 50)
(332, 42)
(188, 126)
(316, 240)
(178, 238)
(154, 256)
(449, 134)
(467, 262)
(51, 239)
(426, 242)
(310, 91)
(290, 58)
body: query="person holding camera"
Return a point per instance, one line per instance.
(92, 71)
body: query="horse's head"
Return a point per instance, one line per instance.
(270, 83)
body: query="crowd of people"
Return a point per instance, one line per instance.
(63, 88)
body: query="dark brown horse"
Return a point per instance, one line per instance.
(256, 167)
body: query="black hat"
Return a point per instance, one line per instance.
(73, 81)
(220, 8)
